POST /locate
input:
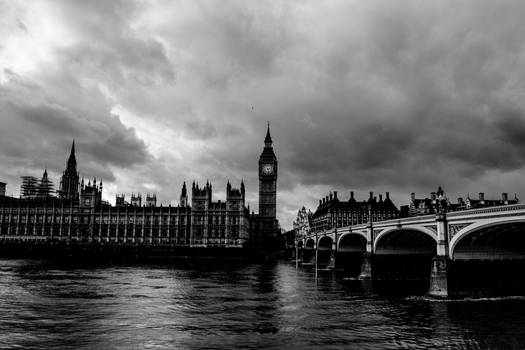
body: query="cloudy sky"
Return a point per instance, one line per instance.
(379, 96)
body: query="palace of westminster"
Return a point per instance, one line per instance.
(78, 214)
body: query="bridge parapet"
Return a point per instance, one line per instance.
(489, 210)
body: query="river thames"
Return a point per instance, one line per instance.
(225, 305)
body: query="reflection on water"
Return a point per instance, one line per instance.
(228, 305)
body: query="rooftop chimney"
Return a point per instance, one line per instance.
(387, 195)
(504, 197)
(335, 194)
(371, 195)
(482, 196)
(380, 197)
(351, 194)
(330, 195)
(412, 196)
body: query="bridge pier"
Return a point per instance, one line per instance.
(298, 253)
(331, 262)
(439, 277)
(333, 251)
(312, 258)
(366, 267)
(366, 264)
(439, 266)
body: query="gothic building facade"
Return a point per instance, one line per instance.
(70, 178)
(78, 214)
(268, 191)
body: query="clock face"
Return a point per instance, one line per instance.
(267, 169)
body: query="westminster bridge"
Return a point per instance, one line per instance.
(431, 242)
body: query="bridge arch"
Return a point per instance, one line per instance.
(404, 253)
(310, 243)
(325, 243)
(352, 242)
(408, 239)
(493, 238)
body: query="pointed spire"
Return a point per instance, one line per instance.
(268, 138)
(183, 192)
(72, 161)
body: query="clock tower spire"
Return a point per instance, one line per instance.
(268, 192)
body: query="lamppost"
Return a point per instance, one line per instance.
(296, 255)
(335, 248)
(316, 254)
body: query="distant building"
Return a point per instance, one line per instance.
(332, 212)
(439, 201)
(2, 188)
(301, 225)
(423, 206)
(481, 202)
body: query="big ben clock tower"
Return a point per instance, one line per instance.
(268, 191)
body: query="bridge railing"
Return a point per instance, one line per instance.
(501, 208)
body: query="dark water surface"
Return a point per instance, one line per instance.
(225, 305)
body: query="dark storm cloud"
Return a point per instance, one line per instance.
(40, 128)
(120, 54)
(408, 98)
(400, 96)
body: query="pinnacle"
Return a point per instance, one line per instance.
(268, 138)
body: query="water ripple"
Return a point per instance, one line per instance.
(224, 305)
